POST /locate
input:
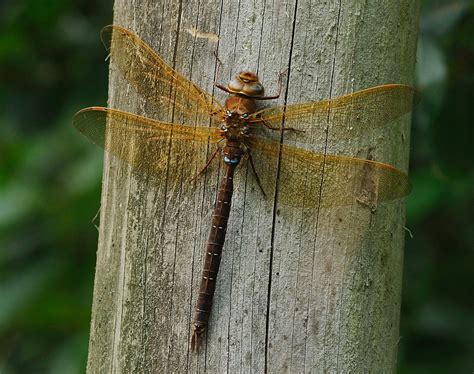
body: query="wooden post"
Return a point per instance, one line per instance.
(310, 291)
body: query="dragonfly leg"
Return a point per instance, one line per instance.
(214, 154)
(255, 173)
(280, 87)
(219, 65)
(223, 88)
(213, 112)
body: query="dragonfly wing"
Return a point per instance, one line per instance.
(155, 80)
(310, 179)
(145, 144)
(346, 116)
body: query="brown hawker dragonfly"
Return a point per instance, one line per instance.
(238, 131)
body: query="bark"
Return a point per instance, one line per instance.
(298, 291)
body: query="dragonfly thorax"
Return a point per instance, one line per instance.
(235, 130)
(239, 107)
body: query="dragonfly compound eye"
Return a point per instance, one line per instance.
(253, 89)
(236, 85)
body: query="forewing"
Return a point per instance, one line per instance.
(155, 80)
(145, 144)
(310, 179)
(348, 116)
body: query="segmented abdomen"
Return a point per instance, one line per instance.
(213, 255)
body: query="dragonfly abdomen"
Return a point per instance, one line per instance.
(212, 260)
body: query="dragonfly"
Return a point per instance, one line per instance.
(240, 132)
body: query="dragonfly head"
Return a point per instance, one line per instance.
(246, 83)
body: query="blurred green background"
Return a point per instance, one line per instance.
(52, 64)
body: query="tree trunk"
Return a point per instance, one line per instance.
(306, 291)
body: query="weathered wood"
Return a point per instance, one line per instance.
(310, 291)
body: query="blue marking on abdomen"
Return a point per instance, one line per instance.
(233, 161)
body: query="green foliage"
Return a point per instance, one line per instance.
(52, 63)
(436, 321)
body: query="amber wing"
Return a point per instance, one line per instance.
(156, 81)
(310, 179)
(142, 142)
(345, 117)
(145, 144)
